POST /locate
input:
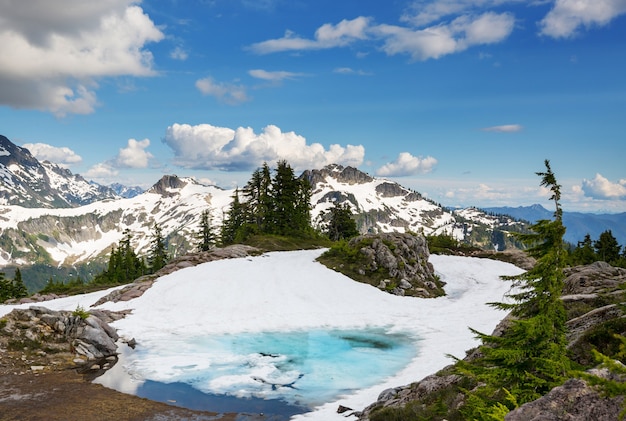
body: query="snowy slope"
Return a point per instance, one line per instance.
(383, 205)
(29, 183)
(178, 321)
(71, 235)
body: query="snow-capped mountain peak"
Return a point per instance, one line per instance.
(27, 182)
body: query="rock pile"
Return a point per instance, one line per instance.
(61, 337)
(404, 257)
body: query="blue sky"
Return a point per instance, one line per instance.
(461, 100)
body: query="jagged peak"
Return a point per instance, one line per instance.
(348, 175)
(167, 184)
(10, 153)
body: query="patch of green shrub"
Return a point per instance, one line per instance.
(80, 312)
(23, 344)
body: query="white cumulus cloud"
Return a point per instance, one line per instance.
(567, 16)
(209, 147)
(505, 128)
(102, 172)
(54, 52)
(421, 43)
(326, 36)
(407, 164)
(601, 188)
(226, 92)
(134, 155)
(440, 40)
(62, 156)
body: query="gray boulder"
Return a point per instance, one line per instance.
(403, 257)
(575, 400)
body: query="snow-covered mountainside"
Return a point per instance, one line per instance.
(382, 205)
(66, 236)
(50, 216)
(125, 191)
(77, 235)
(26, 182)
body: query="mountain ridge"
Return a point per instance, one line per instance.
(27, 182)
(578, 224)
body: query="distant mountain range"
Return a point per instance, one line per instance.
(55, 219)
(578, 224)
(27, 182)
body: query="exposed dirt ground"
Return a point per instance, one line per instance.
(61, 393)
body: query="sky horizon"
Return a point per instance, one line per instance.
(461, 100)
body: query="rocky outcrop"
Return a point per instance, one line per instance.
(348, 175)
(166, 185)
(400, 396)
(575, 400)
(595, 278)
(142, 284)
(58, 338)
(387, 189)
(404, 257)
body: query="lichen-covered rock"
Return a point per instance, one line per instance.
(402, 395)
(575, 400)
(403, 258)
(595, 278)
(61, 331)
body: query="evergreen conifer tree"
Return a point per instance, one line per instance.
(19, 289)
(584, 253)
(6, 288)
(291, 203)
(607, 247)
(158, 250)
(234, 220)
(529, 358)
(257, 194)
(206, 236)
(124, 264)
(341, 224)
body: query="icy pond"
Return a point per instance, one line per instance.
(278, 374)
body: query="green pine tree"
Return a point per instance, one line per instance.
(341, 224)
(233, 222)
(529, 359)
(291, 203)
(584, 252)
(157, 257)
(257, 194)
(607, 248)
(6, 288)
(206, 236)
(19, 289)
(124, 265)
